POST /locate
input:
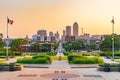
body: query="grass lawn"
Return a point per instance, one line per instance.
(32, 54)
(57, 57)
(1, 61)
(117, 60)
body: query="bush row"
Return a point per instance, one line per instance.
(80, 59)
(10, 53)
(32, 61)
(38, 59)
(71, 57)
(86, 60)
(68, 53)
(51, 53)
(117, 53)
(111, 65)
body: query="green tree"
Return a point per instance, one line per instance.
(93, 46)
(73, 45)
(55, 46)
(46, 47)
(16, 44)
(77, 45)
(106, 45)
(35, 47)
(2, 44)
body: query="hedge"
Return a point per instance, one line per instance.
(68, 53)
(73, 56)
(39, 59)
(86, 60)
(51, 53)
(111, 65)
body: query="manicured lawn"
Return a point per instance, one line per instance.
(38, 59)
(57, 57)
(1, 61)
(117, 60)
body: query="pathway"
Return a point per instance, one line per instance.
(108, 60)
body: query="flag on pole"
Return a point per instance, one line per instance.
(10, 21)
(112, 21)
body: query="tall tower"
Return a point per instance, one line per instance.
(63, 32)
(42, 32)
(68, 30)
(75, 29)
(50, 34)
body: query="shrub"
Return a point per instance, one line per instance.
(4, 64)
(105, 53)
(83, 61)
(7, 64)
(38, 59)
(25, 60)
(117, 53)
(51, 53)
(32, 61)
(72, 56)
(86, 60)
(111, 65)
(2, 56)
(17, 53)
(41, 56)
(67, 53)
(86, 54)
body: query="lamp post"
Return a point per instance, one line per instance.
(112, 38)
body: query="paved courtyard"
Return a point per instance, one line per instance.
(59, 70)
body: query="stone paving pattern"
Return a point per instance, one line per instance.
(35, 73)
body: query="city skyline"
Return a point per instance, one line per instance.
(94, 16)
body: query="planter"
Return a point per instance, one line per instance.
(19, 68)
(111, 69)
(7, 68)
(4, 68)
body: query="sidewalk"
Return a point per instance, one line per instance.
(108, 60)
(60, 64)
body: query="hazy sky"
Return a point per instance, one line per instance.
(94, 16)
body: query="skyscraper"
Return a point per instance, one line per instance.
(75, 29)
(50, 34)
(41, 32)
(68, 30)
(63, 32)
(57, 35)
(63, 36)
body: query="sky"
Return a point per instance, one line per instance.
(29, 16)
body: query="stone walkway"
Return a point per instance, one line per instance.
(60, 64)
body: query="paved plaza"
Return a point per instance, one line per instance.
(59, 70)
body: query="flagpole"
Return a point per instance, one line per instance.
(113, 39)
(7, 41)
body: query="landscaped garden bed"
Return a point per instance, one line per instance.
(108, 67)
(38, 59)
(11, 67)
(80, 59)
(58, 57)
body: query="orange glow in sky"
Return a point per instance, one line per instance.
(94, 16)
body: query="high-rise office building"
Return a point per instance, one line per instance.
(75, 29)
(42, 32)
(63, 32)
(57, 35)
(63, 36)
(50, 34)
(68, 30)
